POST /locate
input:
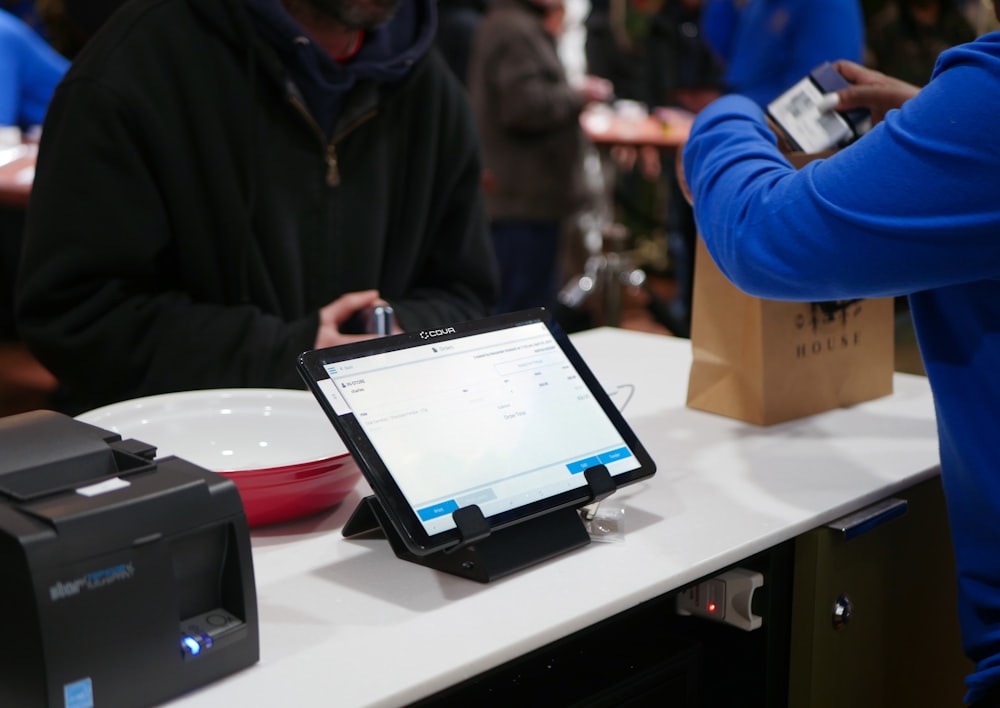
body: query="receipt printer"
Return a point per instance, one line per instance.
(124, 580)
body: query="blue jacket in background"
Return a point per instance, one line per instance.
(910, 208)
(29, 72)
(768, 45)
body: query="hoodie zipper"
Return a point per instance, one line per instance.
(332, 170)
(330, 149)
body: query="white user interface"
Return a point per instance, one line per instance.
(498, 419)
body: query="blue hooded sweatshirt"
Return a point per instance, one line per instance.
(768, 45)
(910, 208)
(29, 72)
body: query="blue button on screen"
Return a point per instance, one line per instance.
(620, 454)
(605, 458)
(582, 465)
(79, 694)
(442, 509)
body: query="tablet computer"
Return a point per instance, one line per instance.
(500, 412)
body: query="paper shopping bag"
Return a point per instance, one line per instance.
(768, 361)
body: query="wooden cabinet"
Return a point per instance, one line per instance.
(874, 618)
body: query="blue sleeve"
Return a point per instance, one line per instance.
(9, 80)
(29, 71)
(42, 72)
(910, 206)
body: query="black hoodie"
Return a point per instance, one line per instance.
(189, 218)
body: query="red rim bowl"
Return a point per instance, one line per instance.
(279, 494)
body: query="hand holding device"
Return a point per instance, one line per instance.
(810, 116)
(872, 90)
(338, 321)
(378, 319)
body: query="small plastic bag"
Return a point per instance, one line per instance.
(604, 521)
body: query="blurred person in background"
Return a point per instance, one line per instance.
(653, 52)
(910, 208)
(29, 71)
(70, 23)
(28, 12)
(223, 184)
(906, 36)
(529, 120)
(769, 45)
(458, 21)
(628, 43)
(980, 15)
(694, 72)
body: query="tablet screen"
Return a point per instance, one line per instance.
(501, 413)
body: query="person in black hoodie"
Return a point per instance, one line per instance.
(222, 184)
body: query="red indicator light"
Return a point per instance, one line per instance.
(711, 607)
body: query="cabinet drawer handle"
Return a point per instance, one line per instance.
(866, 519)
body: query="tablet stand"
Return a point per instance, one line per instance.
(484, 555)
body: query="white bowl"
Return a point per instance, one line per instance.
(277, 445)
(227, 429)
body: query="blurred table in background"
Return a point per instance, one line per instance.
(17, 172)
(24, 383)
(665, 128)
(617, 254)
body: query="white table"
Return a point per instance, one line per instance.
(346, 623)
